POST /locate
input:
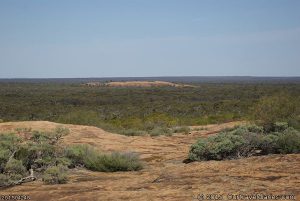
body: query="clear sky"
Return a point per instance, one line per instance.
(101, 38)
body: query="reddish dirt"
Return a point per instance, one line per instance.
(165, 176)
(138, 84)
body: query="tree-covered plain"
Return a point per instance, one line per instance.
(135, 111)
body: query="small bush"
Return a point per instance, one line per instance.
(90, 158)
(41, 155)
(60, 132)
(268, 144)
(43, 163)
(4, 156)
(280, 126)
(64, 161)
(78, 153)
(160, 131)
(9, 141)
(5, 180)
(245, 141)
(15, 167)
(49, 137)
(255, 128)
(22, 154)
(289, 141)
(9, 179)
(217, 147)
(115, 162)
(55, 175)
(133, 132)
(15, 177)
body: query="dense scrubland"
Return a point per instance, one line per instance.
(272, 109)
(136, 111)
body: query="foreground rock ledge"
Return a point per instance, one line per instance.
(164, 177)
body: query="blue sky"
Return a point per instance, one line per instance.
(86, 38)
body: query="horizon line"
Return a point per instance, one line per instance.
(169, 76)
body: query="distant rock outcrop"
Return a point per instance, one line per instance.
(136, 84)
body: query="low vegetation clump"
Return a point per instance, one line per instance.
(156, 131)
(133, 132)
(55, 175)
(90, 158)
(245, 141)
(42, 155)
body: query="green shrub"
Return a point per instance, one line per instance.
(245, 141)
(160, 131)
(49, 137)
(60, 132)
(15, 167)
(43, 163)
(114, 162)
(238, 130)
(268, 144)
(5, 180)
(4, 156)
(42, 151)
(15, 177)
(217, 147)
(64, 161)
(22, 154)
(78, 153)
(9, 179)
(280, 126)
(40, 137)
(9, 141)
(289, 141)
(55, 175)
(11, 167)
(255, 129)
(41, 155)
(90, 158)
(133, 132)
